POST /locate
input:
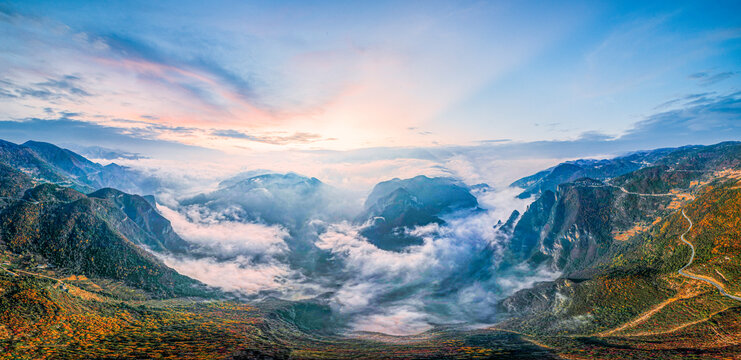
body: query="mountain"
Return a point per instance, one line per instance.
(70, 163)
(246, 175)
(88, 175)
(596, 169)
(50, 163)
(289, 199)
(13, 183)
(93, 235)
(78, 280)
(572, 227)
(29, 162)
(396, 205)
(617, 243)
(636, 298)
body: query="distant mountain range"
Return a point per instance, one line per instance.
(602, 169)
(50, 163)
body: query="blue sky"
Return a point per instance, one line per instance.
(270, 76)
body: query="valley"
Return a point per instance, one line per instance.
(645, 254)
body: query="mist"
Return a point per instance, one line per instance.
(299, 242)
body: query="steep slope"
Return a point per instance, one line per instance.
(13, 183)
(549, 179)
(572, 228)
(86, 236)
(631, 300)
(637, 289)
(158, 233)
(69, 162)
(391, 215)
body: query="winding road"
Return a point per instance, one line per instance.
(692, 258)
(626, 191)
(681, 237)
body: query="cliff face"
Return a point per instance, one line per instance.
(573, 227)
(144, 223)
(618, 246)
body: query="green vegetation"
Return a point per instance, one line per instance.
(631, 303)
(79, 233)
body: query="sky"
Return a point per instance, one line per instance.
(382, 81)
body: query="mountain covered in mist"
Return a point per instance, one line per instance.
(287, 199)
(396, 206)
(589, 267)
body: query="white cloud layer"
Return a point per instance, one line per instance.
(228, 237)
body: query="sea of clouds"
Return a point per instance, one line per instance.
(451, 278)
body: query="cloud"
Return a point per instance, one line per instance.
(296, 138)
(707, 120)
(66, 87)
(65, 130)
(247, 258)
(526, 278)
(491, 141)
(702, 118)
(699, 75)
(102, 153)
(232, 134)
(687, 100)
(397, 320)
(706, 78)
(450, 278)
(198, 75)
(227, 238)
(359, 87)
(240, 274)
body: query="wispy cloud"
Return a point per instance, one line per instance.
(69, 130)
(707, 78)
(295, 138)
(67, 87)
